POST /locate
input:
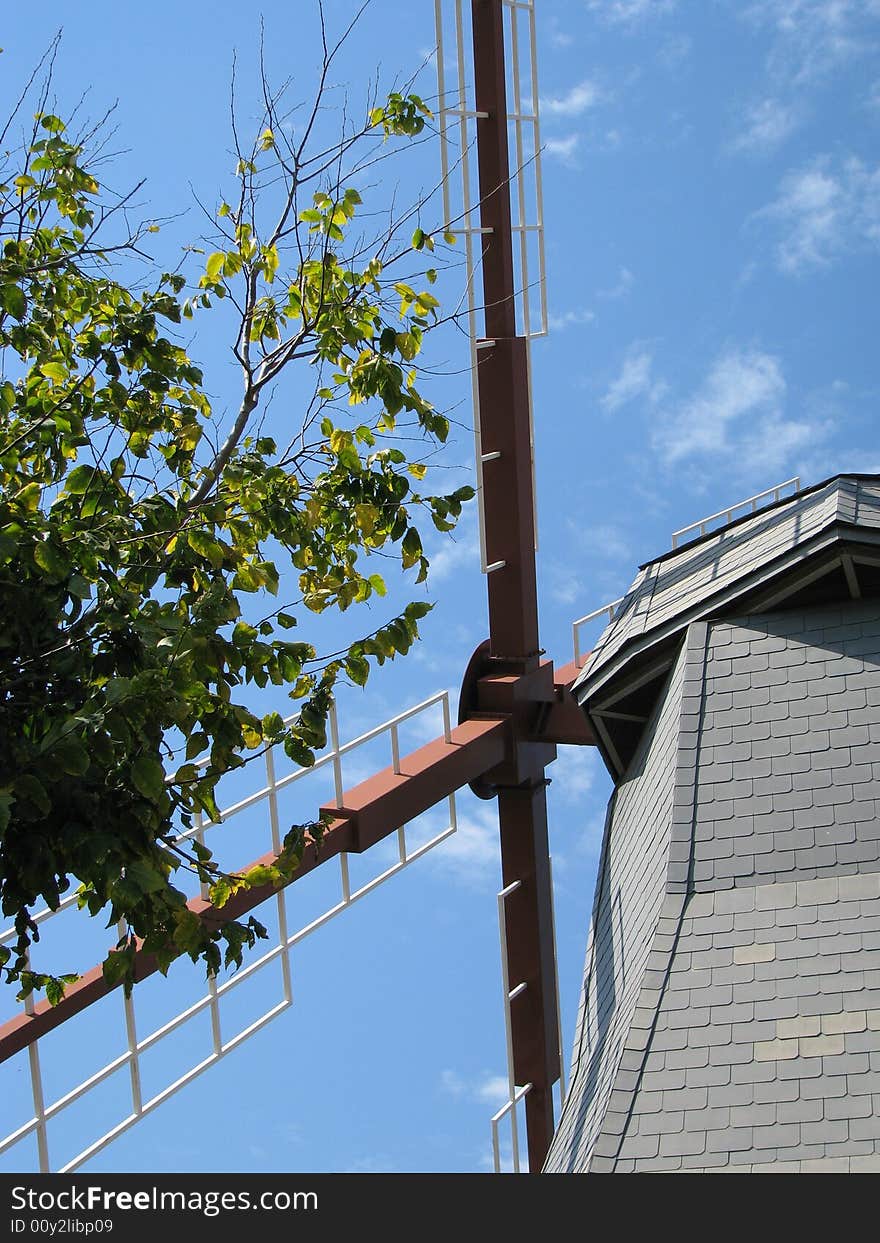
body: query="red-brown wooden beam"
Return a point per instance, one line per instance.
(388, 800)
(514, 648)
(564, 721)
(531, 952)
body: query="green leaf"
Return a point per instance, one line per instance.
(247, 578)
(115, 967)
(206, 546)
(411, 548)
(6, 802)
(27, 787)
(13, 301)
(54, 990)
(51, 561)
(72, 756)
(148, 777)
(196, 744)
(146, 877)
(299, 752)
(358, 669)
(79, 480)
(79, 587)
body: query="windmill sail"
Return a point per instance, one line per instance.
(457, 115)
(205, 1020)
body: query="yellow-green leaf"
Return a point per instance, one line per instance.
(214, 266)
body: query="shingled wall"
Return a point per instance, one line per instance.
(632, 882)
(734, 1021)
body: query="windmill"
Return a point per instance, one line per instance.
(514, 708)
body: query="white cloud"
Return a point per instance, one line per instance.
(494, 1090)
(765, 126)
(629, 12)
(605, 540)
(452, 1083)
(473, 853)
(810, 206)
(738, 385)
(563, 149)
(850, 462)
(597, 568)
(559, 37)
(565, 319)
(624, 284)
(815, 37)
(737, 419)
(574, 103)
(824, 212)
(588, 843)
(574, 774)
(565, 587)
(459, 551)
(486, 1089)
(634, 381)
(675, 51)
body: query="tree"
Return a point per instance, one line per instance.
(143, 538)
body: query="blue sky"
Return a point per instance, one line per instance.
(712, 212)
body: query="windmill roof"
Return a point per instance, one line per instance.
(821, 543)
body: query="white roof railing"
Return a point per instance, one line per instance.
(582, 621)
(728, 514)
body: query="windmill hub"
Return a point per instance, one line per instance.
(495, 686)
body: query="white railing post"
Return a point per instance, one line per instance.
(582, 621)
(37, 1091)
